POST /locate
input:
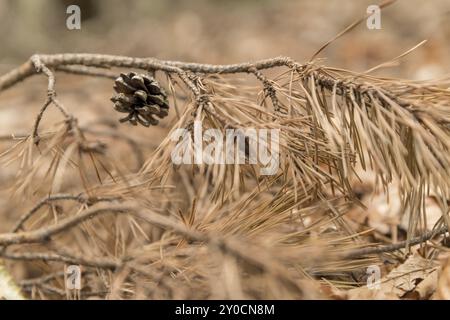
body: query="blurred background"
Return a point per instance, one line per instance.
(214, 31)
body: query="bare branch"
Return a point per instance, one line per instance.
(107, 61)
(86, 71)
(396, 246)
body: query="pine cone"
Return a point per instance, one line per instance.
(141, 97)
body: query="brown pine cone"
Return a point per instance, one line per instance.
(141, 97)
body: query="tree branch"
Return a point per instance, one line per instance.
(396, 246)
(66, 62)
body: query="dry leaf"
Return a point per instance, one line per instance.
(415, 278)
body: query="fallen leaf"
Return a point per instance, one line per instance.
(415, 278)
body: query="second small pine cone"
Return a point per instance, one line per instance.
(141, 97)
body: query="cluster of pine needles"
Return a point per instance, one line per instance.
(141, 227)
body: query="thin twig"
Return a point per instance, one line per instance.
(396, 246)
(86, 71)
(43, 234)
(51, 96)
(95, 262)
(57, 197)
(106, 61)
(41, 280)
